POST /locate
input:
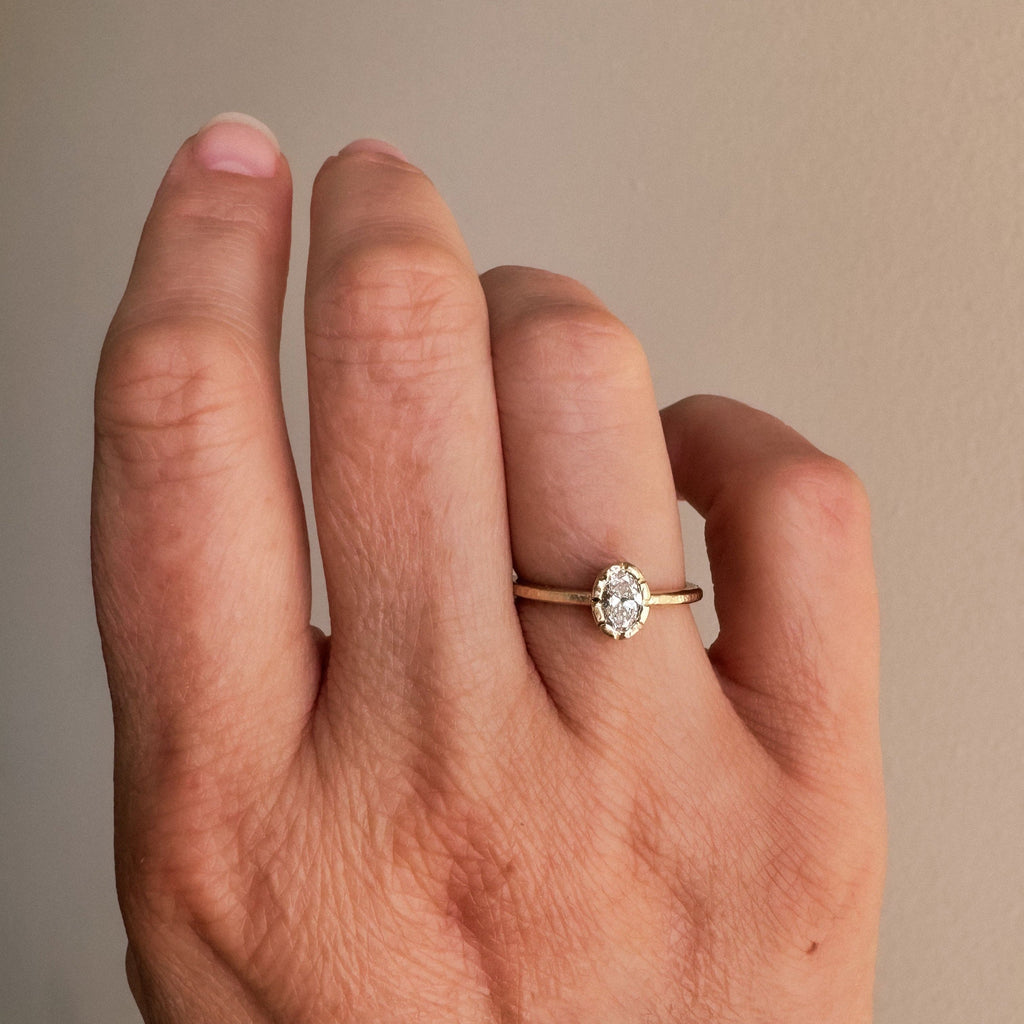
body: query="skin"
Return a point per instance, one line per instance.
(460, 807)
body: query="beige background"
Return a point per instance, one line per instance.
(813, 206)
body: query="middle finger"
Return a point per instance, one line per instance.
(407, 472)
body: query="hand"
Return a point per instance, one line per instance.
(461, 807)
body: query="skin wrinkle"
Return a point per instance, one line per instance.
(580, 415)
(173, 415)
(208, 211)
(407, 294)
(492, 962)
(394, 833)
(167, 592)
(386, 518)
(195, 300)
(170, 596)
(483, 901)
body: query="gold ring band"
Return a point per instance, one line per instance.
(689, 594)
(620, 598)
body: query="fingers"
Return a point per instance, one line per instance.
(201, 567)
(407, 473)
(788, 538)
(589, 484)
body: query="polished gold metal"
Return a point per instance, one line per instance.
(689, 593)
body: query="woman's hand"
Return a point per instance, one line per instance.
(460, 807)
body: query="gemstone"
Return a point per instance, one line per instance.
(620, 600)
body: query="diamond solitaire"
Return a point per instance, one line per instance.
(621, 600)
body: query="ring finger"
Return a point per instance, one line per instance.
(589, 484)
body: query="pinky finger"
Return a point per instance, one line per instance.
(789, 542)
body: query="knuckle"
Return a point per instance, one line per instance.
(821, 495)
(394, 308)
(183, 870)
(575, 343)
(165, 391)
(216, 214)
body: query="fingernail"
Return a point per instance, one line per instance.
(237, 143)
(374, 146)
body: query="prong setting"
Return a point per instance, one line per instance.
(620, 600)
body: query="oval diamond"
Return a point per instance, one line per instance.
(620, 600)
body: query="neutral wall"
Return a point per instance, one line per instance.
(813, 206)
